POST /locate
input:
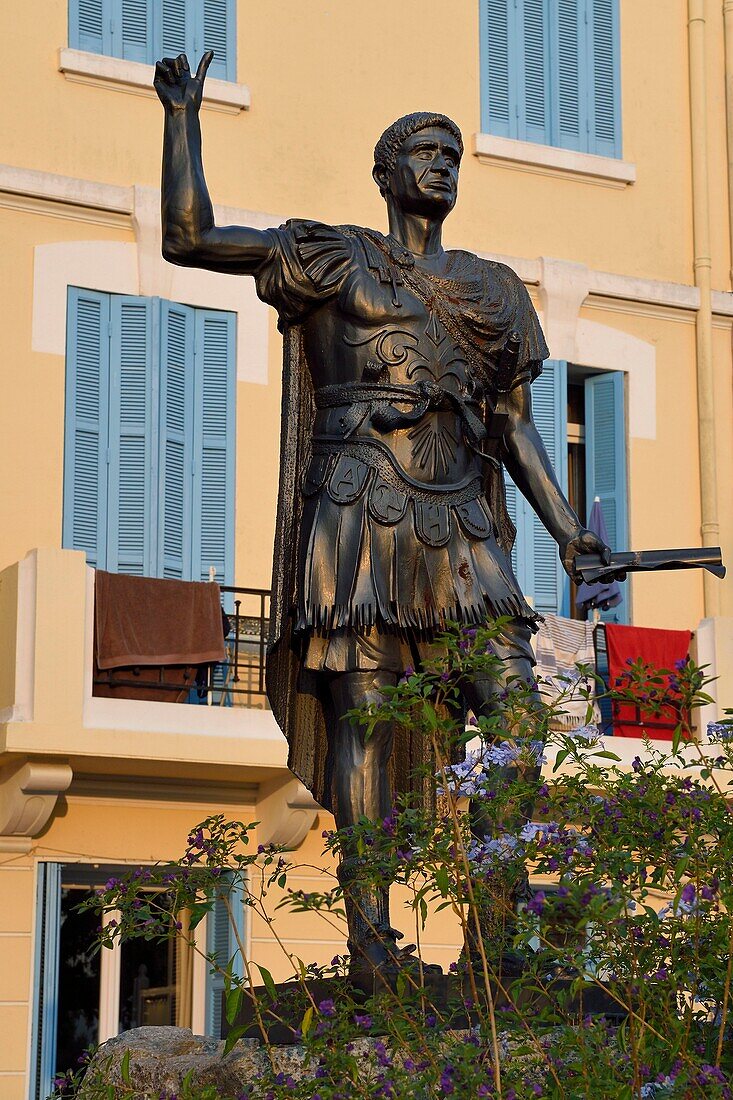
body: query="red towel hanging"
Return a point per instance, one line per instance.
(658, 648)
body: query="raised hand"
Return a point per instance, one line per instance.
(176, 87)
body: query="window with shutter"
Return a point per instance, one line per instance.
(129, 507)
(45, 981)
(535, 556)
(213, 473)
(149, 447)
(605, 465)
(132, 21)
(550, 72)
(145, 30)
(176, 431)
(87, 403)
(224, 925)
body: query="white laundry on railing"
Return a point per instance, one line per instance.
(560, 646)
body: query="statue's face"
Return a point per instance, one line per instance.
(425, 177)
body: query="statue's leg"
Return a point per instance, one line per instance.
(360, 787)
(497, 914)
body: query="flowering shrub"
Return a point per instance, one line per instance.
(633, 873)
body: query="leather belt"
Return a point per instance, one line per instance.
(376, 401)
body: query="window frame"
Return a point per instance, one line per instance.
(512, 125)
(108, 42)
(214, 407)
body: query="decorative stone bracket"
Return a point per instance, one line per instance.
(286, 812)
(28, 796)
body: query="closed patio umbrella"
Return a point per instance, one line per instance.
(602, 594)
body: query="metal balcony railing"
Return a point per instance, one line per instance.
(239, 680)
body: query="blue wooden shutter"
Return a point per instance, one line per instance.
(174, 31)
(515, 507)
(213, 443)
(569, 66)
(90, 25)
(132, 23)
(131, 466)
(45, 981)
(498, 67)
(216, 30)
(86, 430)
(605, 460)
(605, 82)
(221, 940)
(175, 440)
(534, 109)
(535, 557)
(549, 411)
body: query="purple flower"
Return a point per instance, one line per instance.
(327, 1008)
(381, 1052)
(363, 1020)
(536, 904)
(688, 893)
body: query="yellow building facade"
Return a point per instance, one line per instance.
(626, 255)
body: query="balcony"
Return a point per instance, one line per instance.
(238, 681)
(57, 735)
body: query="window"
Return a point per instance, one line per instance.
(149, 442)
(146, 30)
(580, 417)
(550, 73)
(82, 997)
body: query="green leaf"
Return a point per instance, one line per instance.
(680, 868)
(268, 981)
(605, 755)
(442, 881)
(234, 1035)
(305, 1023)
(125, 1067)
(561, 758)
(233, 1004)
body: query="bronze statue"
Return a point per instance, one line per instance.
(406, 390)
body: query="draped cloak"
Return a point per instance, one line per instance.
(301, 272)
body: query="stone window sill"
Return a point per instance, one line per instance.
(133, 76)
(528, 156)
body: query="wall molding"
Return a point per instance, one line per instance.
(50, 187)
(286, 812)
(19, 185)
(28, 796)
(530, 156)
(117, 74)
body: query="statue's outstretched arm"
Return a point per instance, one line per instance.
(190, 237)
(529, 465)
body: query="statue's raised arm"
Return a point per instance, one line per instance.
(190, 237)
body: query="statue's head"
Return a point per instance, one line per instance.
(416, 162)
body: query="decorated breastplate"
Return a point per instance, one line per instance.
(417, 399)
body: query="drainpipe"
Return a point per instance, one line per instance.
(728, 23)
(709, 527)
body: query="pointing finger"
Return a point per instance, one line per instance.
(204, 64)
